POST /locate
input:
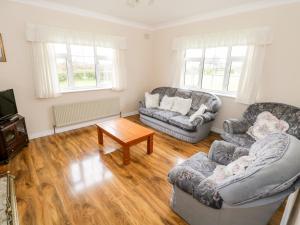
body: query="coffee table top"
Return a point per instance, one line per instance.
(124, 130)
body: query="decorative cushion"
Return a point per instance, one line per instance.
(275, 168)
(198, 113)
(184, 123)
(266, 123)
(151, 101)
(182, 105)
(164, 115)
(166, 103)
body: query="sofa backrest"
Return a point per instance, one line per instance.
(288, 113)
(275, 169)
(212, 102)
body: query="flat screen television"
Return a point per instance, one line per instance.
(8, 107)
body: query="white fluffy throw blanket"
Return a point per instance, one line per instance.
(234, 168)
(266, 123)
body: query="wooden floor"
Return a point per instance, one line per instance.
(64, 179)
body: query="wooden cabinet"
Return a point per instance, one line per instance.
(13, 138)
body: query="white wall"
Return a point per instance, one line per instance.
(281, 78)
(148, 60)
(17, 72)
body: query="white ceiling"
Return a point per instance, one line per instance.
(161, 11)
(158, 14)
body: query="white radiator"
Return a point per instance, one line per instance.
(73, 113)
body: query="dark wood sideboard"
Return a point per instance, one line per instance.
(13, 138)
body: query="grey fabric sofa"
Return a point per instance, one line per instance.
(250, 198)
(235, 129)
(176, 124)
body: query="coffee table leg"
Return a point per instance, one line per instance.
(150, 144)
(126, 155)
(100, 136)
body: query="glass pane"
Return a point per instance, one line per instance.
(235, 74)
(84, 71)
(239, 51)
(61, 67)
(105, 52)
(82, 50)
(105, 69)
(193, 53)
(192, 70)
(214, 68)
(60, 48)
(220, 52)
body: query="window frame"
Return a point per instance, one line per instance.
(70, 75)
(227, 70)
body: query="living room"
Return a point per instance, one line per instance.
(115, 105)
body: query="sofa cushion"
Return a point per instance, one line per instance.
(148, 111)
(181, 93)
(275, 169)
(162, 91)
(184, 122)
(199, 98)
(164, 115)
(190, 176)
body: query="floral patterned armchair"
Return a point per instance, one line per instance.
(235, 130)
(257, 192)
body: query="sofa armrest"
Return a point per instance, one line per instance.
(236, 126)
(222, 152)
(208, 117)
(142, 104)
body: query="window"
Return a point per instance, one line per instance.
(217, 69)
(83, 66)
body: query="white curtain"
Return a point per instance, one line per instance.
(119, 76)
(251, 77)
(257, 39)
(177, 68)
(42, 33)
(45, 75)
(254, 36)
(46, 80)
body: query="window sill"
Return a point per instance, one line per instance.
(218, 93)
(228, 95)
(85, 90)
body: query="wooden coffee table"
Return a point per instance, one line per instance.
(126, 133)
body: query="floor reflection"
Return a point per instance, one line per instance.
(179, 160)
(88, 172)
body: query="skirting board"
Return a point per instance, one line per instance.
(90, 123)
(76, 126)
